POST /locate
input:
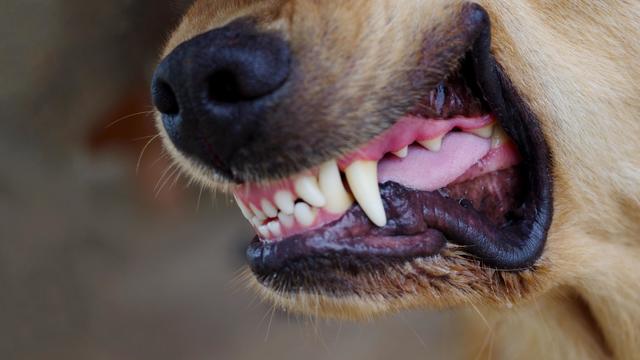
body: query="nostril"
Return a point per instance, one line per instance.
(216, 90)
(164, 98)
(223, 86)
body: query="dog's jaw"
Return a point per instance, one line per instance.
(310, 232)
(316, 203)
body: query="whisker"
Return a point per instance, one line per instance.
(143, 150)
(273, 311)
(163, 155)
(199, 198)
(168, 178)
(148, 112)
(484, 319)
(143, 138)
(162, 176)
(414, 331)
(175, 179)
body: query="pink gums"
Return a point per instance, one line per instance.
(409, 130)
(463, 156)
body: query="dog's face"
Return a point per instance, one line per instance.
(414, 153)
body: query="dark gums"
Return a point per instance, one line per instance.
(419, 225)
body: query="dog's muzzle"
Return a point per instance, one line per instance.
(461, 161)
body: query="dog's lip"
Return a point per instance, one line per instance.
(352, 237)
(420, 224)
(516, 246)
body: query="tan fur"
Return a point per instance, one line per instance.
(577, 65)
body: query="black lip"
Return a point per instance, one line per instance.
(517, 248)
(353, 240)
(514, 247)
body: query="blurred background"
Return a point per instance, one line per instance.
(105, 251)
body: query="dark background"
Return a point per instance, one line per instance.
(99, 260)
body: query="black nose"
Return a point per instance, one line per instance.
(214, 90)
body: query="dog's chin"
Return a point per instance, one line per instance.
(443, 281)
(450, 205)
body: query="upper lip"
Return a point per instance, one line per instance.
(512, 247)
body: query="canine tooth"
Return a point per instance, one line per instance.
(307, 188)
(484, 132)
(284, 201)
(274, 228)
(268, 208)
(432, 145)
(243, 208)
(263, 230)
(259, 214)
(402, 153)
(499, 137)
(338, 199)
(286, 220)
(363, 180)
(303, 214)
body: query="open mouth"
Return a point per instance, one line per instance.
(468, 166)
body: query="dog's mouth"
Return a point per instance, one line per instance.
(467, 166)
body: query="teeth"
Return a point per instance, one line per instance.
(263, 230)
(338, 199)
(402, 153)
(307, 188)
(432, 145)
(256, 222)
(303, 214)
(363, 181)
(284, 201)
(243, 208)
(268, 208)
(484, 132)
(286, 220)
(259, 214)
(274, 228)
(499, 137)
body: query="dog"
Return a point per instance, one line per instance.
(425, 154)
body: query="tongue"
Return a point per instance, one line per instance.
(427, 170)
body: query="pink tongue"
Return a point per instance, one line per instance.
(426, 170)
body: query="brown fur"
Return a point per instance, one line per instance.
(577, 65)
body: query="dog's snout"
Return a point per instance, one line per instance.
(214, 90)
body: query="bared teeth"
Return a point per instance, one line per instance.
(499, 137)
(268, 208)
(303, 200)
(256, 222)
(434, 144)
(485, 131)
(258, 213)
(286, 220)
(284, 201)
(363, 180)
(304, 214)
(263, 230)
(243, 208)
(275, 228)
(330, 181)
(402, 153)
(307, 188)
